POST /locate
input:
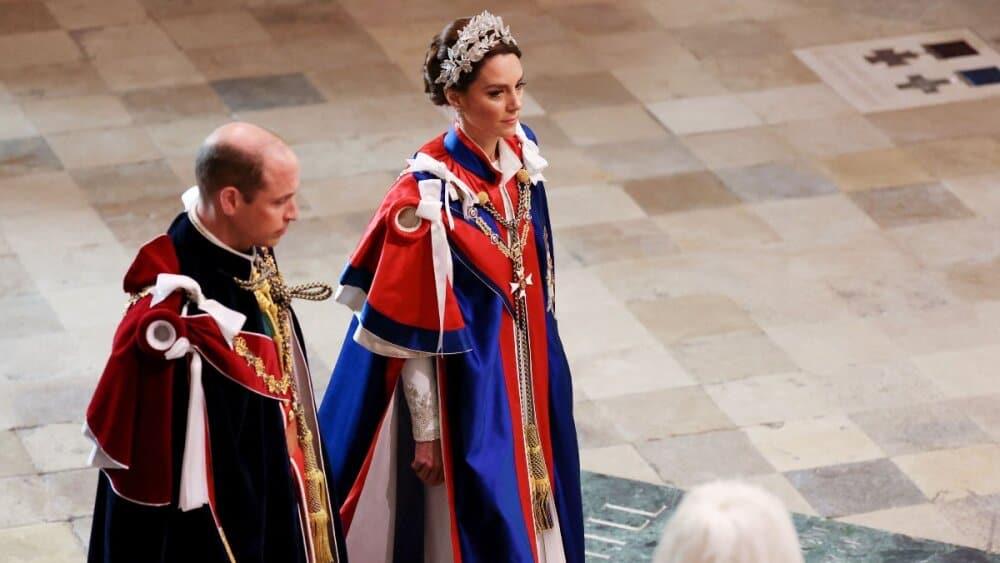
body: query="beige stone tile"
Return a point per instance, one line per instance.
(622, 331)
(779, 486)
(71, 493)
(918, 521)
(182, 137)
(555, 59)
(716, 229)
(832, 136)
(13, 123)
(693, 459)
(14, 459)
(81, 14)
(960, 119)
(570, 167)
(739, 147)
(125, 41)
(910, 205)
(651, 48)
(618, 461)
(742, 73)
(368, 81)
(947, 475)
(978, 193)
(875, 169)
(24, 17)
(774, 398)
(739, 38)
(71, 79)
(690, 316)
(79, 149)
(817, 220)
(583, 205)
(680, 192)
(91, 308)
(320, 53)
(796, 103)
(72, 114)
(681, 77)
(659, 414)
(731, 356)
(55, 540)
(816, 442)
(677, 13)
(215, 29)
(870, 252)
(877, 294)
(627, 371)
(295, 19)
(975, 280)
(71, 228)
(781, 300)
(966, 372)
(37, 48)
(240, 61)
(85, 265)
(345, 194)
(81, 527)
(590, 126)
(152, 71)
(957, 157)
(37, 193)
(24, 500)
(159, 105)
(943, 243)
(976, 517)
(700, 115)
(826, 347)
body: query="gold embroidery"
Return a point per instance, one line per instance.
(137, 297)
(274, 385)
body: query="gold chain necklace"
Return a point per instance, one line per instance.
(541, 487)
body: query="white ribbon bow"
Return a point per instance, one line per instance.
(533, 161)
(230, 322)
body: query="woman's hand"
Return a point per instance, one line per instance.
(427, 462)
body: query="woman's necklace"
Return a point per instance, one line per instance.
(541, 487)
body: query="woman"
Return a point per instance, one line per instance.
(455, 341)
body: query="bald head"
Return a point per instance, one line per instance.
(238, 154)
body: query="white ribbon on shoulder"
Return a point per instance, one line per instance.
(194, 466)
(530, 156)
(432, 198)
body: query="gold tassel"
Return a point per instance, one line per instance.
(541, 489)
(319, 520)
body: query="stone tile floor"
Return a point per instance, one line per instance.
(788, 290)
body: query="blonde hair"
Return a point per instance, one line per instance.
(729, 522)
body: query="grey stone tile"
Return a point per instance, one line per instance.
(44, 401)
(81, 527)
(645, 159)
(27, 156)
(776, 180)
(24, 499)
(909, 205)
(71, 79)
(978, 517)
(56, 447)
(621, 240)
(70, 493)
(855, 488)
(686, 461)
(14, 459)
(922, 428)
(28, 314)
(593, 428)
(263, 92)
(14, 279)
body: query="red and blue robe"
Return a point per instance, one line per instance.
(393, 282)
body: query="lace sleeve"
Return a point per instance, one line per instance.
(420, 389)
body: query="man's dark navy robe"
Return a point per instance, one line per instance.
(255, 494)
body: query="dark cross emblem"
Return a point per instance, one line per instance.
(917, 81)
(890, 57)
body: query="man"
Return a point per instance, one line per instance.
(204, 420)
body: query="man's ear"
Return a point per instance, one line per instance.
(229, 200)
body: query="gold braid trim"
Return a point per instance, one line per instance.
(274, 299)
(274, 385)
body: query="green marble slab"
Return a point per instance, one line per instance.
(624, 520)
